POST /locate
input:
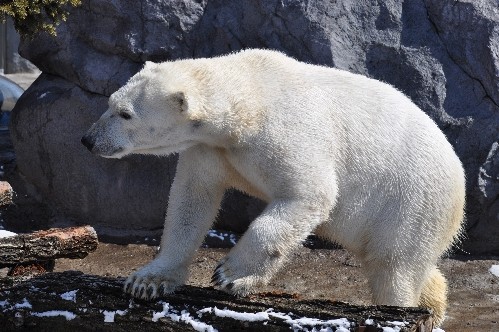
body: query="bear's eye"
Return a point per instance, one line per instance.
(125, 115)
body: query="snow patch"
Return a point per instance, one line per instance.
(4, 233)
(213, 233)
(70, 296)
(23, 305)
(43, 95)
(494, 269)
(54, 313)
(4, 303)
(391, 329)
(109, 315)
(184, 317)
(157, 315)
(223, 236)
(202, 311)
(396, 326)
(250, 317)
(296, 323)
(397, 323)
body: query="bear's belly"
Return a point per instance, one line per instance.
(361, 215)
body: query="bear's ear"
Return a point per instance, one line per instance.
(148, 64)
(188, 107)
(182, 101)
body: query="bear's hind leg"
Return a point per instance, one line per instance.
(391, 284)
(434, 295)
(399, 285)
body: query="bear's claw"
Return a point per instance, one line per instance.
(226, 279)
(153, 281)
(162, 289)
(146, 289)
(151, 291)
(127, 286)
(142, 289)
(218, 278)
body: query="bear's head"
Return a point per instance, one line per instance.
(156, 112)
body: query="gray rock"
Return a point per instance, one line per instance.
(475, 48)
(488, 179)
(49, 121)
(103, 43)
(488, 187)
(11, 62)
(442, 53)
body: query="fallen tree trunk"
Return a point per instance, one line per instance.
(72, 300)
(6, 193)
(72, 242)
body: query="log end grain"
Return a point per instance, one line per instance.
(6, 193)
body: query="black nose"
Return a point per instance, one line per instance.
(88, 142)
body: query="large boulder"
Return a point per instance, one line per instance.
(117, 194)
(442, 53)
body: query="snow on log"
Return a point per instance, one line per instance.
(75, 301)
(72, 242)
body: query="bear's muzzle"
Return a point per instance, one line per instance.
(88, 142)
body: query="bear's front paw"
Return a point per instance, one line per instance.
(152, 281)
(237, 281)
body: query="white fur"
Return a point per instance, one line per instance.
(348, 157)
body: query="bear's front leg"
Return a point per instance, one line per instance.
(195, 198)
(282, 226)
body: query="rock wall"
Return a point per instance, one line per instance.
(10, 60)
(444, 54)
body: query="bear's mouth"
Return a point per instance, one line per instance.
(117, 153)
(164, 150)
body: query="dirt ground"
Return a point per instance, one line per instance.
(325, 273)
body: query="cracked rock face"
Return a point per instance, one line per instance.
(444, 54)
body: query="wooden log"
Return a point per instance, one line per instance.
(72, 242)
(78, 302)
(6, 193)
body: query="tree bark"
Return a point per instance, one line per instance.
(6, 193)
(89, 301)
(72, 242)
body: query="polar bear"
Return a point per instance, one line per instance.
(342, 155)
